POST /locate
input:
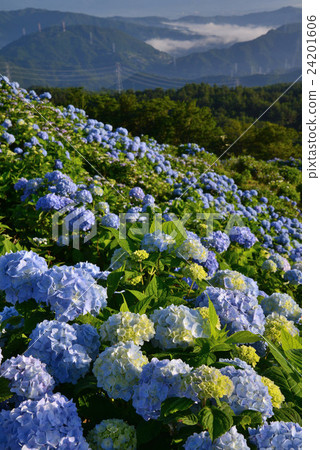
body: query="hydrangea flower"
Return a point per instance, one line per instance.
(285, 435)
(81, 219)
(206, 382)
(52, 201)
(211, 264)
(281, 262)
(199, 441)
(294, 277)
(275, 323)
(159, 380)
(139, 255)
(247, 354)
(83, 196)
(136, 193)
(157, 241)
(243, 236)
(249, 390)
(282, 304)
(28, 376)
(118, 369)
(93, 270)
(111, 220)
(103, 207)
(218, 240)
(269, 266)
(65, 186)
(195, 272)
(178, 326)
(127, 326)
(70, 292)
(113, 434)
(19, 273)
(236, 310)
(230, 279)
(67, 350)
(274, 391)
(192, 249)
(51, 422)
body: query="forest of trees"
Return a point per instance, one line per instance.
(211, 116)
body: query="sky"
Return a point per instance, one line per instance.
(165, 8)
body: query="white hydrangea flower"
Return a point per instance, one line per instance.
(118, 369)
(178, 326)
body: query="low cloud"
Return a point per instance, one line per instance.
(214, 35)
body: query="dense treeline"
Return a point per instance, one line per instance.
(214, 117)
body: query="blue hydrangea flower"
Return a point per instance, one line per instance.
(81, 219)
(7, 313)
(243, 236)
(19, 273)
(111, 220)
(158, 381)
(58, 164)
(229, 279)
(199, 441)
(157, 241)
(284, 435)
(281, 262)
(65, 186)
(148, 200)
(211, 264)
(28, 376)
(231, 440)
(236, 310)
(282, 304)
(70, 292)
(9, 138)
(51, 422)
(249, 390)
(67, 350)
(294, 277)
(20, 184)
(93, 270)
(52, 201)
(136, 193)
(218, 240)
(83, 196)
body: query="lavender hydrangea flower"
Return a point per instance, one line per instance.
(236, 310)
(19, 273)
(294, 277)
(70, 292)
(83, 196)
(67, 350)
(243, 236)
(82, 219)
(111, 220)
(28, 376)
(51, 422)
(285, 435)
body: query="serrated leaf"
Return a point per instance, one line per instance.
(142, 306)
(152, 288)
(113, 282)
(287, 414)
(289, 342)
(190, 419)
(205, 417)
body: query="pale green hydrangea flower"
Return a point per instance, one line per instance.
(127, 326)
(195, 272)
(247, 354)
(275, 323)
(113, 434)
(274, 391)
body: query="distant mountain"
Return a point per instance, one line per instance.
(276, 18)
(14, 24)
(279, 49)
(82, 55)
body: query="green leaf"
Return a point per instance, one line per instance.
(287, 414)
(295, 357)
(176, 230)
(243, 337)
(147, 431)
(89, 383)
(190, 419)
(213, 318)
(5, 392)
(124, 307)
(152, 288)
(289, 342)
(113, 281)
(173, 405)
(138, 294)
(248, 418)
(142, 306)
(216, 421)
